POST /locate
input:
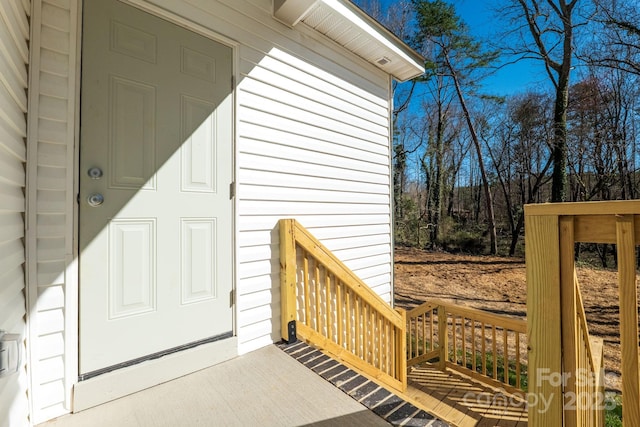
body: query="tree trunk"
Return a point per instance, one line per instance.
(439, 178)
(559, 183)
(491, 218)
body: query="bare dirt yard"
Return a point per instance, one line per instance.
(498, 285)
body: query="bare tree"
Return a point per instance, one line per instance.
(521, 156)
(546, 30)
(617, 43)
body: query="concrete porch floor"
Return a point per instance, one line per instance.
(265, 387)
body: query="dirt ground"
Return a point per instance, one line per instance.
(498, 285)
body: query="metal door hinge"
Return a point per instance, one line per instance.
(232, 190)
(232, 297)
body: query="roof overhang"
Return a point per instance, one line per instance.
(349, 26)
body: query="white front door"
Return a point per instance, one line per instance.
(155, 172)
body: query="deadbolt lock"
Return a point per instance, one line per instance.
(95, 173)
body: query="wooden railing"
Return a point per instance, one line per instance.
(565, 364)
(588, 364)
(325, 303)
(486, 346)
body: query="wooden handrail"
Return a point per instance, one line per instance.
(511, 323)
(325, 303)
(467, 339)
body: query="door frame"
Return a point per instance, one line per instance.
(118, 383)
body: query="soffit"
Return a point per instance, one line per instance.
(350, 27)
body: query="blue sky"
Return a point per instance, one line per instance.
(512, 78)
(484, 24)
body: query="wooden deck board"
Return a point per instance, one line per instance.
(462, 401)
(265, 387)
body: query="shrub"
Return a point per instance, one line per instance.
(463, 241)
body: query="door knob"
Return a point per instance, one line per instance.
(95, 199)
(95, 173)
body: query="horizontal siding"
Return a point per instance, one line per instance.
(51, 186)
(14, 33)
(313, 144)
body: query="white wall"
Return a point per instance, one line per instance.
(14, 55)
(313, 145)
(312, 142)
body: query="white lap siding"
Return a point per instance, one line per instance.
(51, 267)
(14, 56)
(313, 143)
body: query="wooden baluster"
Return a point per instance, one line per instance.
(394, 354)
(380, 340)
(505, 355)
(317, 296)
(431, 330)
(348, 314)
(443, 338)
(410, 344)
(384, 347)
(518, 368)
(339, 308)
(327, 304)
(365, 331)
(390, 347)
(424, 333)
(454, 338)
(494, 349)
(307, 297)
(373, 333)
(473, 345)
(463, 325)
(358, 325)
(483, 352)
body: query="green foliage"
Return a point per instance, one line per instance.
(436, 18)
(407, 228)
(463, 241)
(613, 411)
(438, 25)
(458, 237)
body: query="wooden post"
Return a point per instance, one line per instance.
(625, 235)
(543, 320)
(287, 279)
(443, 337)
(401, 350)
(572, 417)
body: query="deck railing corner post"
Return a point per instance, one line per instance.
(288, 279)
(402, 350)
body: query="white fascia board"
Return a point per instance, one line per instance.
(378, 32)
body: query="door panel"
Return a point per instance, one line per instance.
(156, 119)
